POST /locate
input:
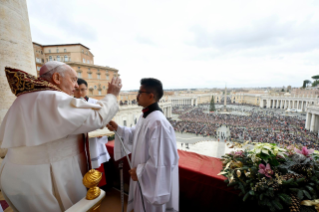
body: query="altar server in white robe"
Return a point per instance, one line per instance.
(154, 154)
(42, 130)
(98, 151)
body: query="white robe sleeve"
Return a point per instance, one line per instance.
(155, 175)
(126, 134)
(99, 118)
(40, 117)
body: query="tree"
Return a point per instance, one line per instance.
(316, 82)
(283, 89)
(305, 83)
(212, 105)
(288, 88)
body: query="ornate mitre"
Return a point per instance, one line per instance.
(21, 82)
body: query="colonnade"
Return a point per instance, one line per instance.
(184, 101)
(128, 115)
(283, 102)
(312, 118)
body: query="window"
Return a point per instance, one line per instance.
(58, 58)
(124, 123)
(88, 61)
(90, 76)
(38, 68)
(79, 75)
(57, 50)
(99, 76)
(41, 52)
(50, 58)
(107, 77)
(86, 53)
(83, 60)
(100, 93)
(66, 59)
(79, 67)
(42, 60)
(82, 50)
(38, 60)
(64, 50)
(49, 50)
(103, 87)
(94, 86)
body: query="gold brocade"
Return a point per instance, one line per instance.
(21, 82)
(311, 203)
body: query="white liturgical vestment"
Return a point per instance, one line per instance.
(45, 163)
(98, 151)
(154, 153)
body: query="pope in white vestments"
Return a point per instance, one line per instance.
(43, 131)
(154, 154)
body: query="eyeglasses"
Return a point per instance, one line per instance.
(140, 92)
(82, 89)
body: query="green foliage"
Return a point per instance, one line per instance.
(316, 77)
(111, 137)
(316, 82)
(274, 193)
(212, 105)
(305, 83)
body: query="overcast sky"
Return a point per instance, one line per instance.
(189, 43)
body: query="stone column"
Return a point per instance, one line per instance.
(312, 124)
(268, 103)
(16, 49)
(316, 125)
(308, 120)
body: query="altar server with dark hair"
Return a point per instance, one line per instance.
(154, 153)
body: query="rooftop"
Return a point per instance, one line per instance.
(67, 44)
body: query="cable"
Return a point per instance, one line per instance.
(130, 164)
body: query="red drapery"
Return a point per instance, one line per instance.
(201, 188)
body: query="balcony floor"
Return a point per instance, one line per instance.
(112, 201)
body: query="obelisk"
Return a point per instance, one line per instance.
(16, 50)
(225, 99)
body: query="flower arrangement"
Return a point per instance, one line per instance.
(278, 178)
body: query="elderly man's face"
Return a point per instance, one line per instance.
(68, 83)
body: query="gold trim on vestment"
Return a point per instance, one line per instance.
(21, 82)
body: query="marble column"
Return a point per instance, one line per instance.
(16, 49)
(316, 125)
(312, 123)
(308, 120)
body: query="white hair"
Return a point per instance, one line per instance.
(60, 69)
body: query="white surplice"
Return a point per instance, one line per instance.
(98, 151)
(45, 163)
(154, 153)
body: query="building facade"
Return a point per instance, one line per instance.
(81, 59)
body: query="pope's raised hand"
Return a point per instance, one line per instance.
(114, 86)
(112, 126)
